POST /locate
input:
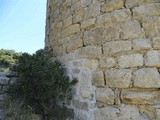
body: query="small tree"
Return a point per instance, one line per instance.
(41, 84)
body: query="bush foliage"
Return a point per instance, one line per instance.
(41, 84)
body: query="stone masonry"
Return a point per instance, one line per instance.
(113, 48)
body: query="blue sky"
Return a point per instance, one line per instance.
(22, 24)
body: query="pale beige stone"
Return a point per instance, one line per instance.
(104, 19)
(123, 112)
(107, 63)
(118, 78)
(115, 47)
(92, 11)
(76, 6)
(67, 22)
(131, 29)
(141, 97)
(88, 23)
(105, 95)
(98, 78)
(88, 52)
(156, 42)
(85, 77)
(85, 3)
(111, 5)
(132, 60)
(152, 58)
(70, 30)
(146, 78)
(146, 10)
(158, 114)
(85, 91)
(142, 44)
(80, 105)
(78, 16)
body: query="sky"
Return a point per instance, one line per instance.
(22, 25)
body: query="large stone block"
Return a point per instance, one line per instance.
(146, 78)
(88, 23)
(111, 5)
(132, 60)
(146, 10)
(71, 30)
(78, 16)
(86, 92)
(98, 78)
(142, 44)
(107, 63)
(105, 95)
(131, 29)
(141, 97)
(88, 52)
(67, 22)
(152, 58)
(156, 42)
(104, 19)
(115, 47)
(123, 112)
(118, 78)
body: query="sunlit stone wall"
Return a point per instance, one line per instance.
(113, 48)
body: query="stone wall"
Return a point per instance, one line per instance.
(113, 48)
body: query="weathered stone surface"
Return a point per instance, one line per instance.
(76, 6)
(92, 11)
(142, 97)
(131, 29)
(88, 52)
(85, 91)
(98, 78)
(111, 5)
(156, 42)
(152, 58)
(78, 16)
(158, 114)
(80, 105)
(124, 112)
(107, 63)
(85, 77)
(105, 95)
(118, 78)
(132, 60)
(133, 3)
(146, 78)
(146, 10)
(88, 23)
(67, 22)
(71, 30)
(85, 3)
(104, 19)
(142, 44)
(114, 47)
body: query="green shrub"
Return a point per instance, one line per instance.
(41, 84)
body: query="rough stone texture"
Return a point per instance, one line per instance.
(118, 78)
(146, 78)
(133, 60)
(113, 48)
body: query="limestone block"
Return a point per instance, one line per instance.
(146, 10)
(107, 63)
(67, 22)
(85, 92)
(105, 95)
(142, 44)
(132, 60)
(152, 58)
(98, 78)
(123, 112)
(85, 3)
(120, 16)
(111, 5)
(74, 42)
(156, 42)
(92, 52)
(131, 29)
(150, 25)
(76, 6)
(141, 97)
(78, 16)
(146, 78)
(86, 63)
(104, 19)
(92, 11)
(158, 114)
(85, 77)
(88, 23)
(71, 30)
(80, 105)
(118, 78)
(115, 47)
(133, 3)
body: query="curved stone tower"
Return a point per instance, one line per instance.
(113, 48)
